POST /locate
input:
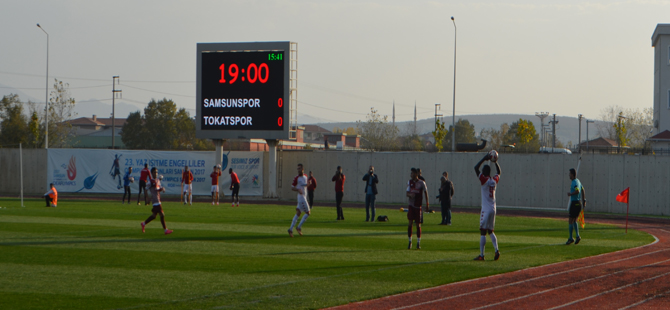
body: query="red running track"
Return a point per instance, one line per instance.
(637, 278)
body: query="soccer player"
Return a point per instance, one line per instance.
(215, 184)
(235, 187)
(300, 185)
(576, 195)
(126, 185)
(416, 191)
(310, 189)
(51, 196)
(339, 178)
(144, 175)
(187, 179)
(156, 189)
(487, 220)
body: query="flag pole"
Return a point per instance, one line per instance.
(627, 205)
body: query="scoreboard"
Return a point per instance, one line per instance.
(242, 90)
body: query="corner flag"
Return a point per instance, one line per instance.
(623, 196)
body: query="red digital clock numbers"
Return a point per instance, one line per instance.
(254, 73)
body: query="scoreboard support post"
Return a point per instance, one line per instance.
(272, 169)
(218, 145)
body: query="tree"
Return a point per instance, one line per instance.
(412, 143)
(61, 109)
(162, 127)
(439, 133)
(465, 133)
(620, 130)
(376, 132)
(14, 124)
(523, 136)
(34, 130)
(495, 137)
(638, 125)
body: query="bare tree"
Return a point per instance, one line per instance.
(638, 123)
(376, 132)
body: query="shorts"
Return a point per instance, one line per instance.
(415, 214)
(215, 188)
(575, 208)
(157, 209)
(236, 188)
(303, 206)
(188, 188)
(143, 185)
(487, 220)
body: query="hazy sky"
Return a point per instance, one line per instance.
(564, 57)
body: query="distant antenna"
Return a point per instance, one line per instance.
(393, 112)
(415, 116)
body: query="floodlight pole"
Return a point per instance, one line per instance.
(115, 80)
(46, 95)
(453, 114)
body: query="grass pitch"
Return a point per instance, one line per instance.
(92, 255)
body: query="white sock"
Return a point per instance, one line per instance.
(418, 239)
(482, 243)
(410, 239)
(185, 198)
(295, 219)
(494, 240)
(304, 218)
(190, 198)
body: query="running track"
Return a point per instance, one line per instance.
(636, 278)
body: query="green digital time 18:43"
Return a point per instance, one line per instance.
(275, 56)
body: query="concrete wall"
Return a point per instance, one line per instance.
(34, 171)
(527, 180)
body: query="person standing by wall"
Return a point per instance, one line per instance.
(371, 181)
(215, 184)
(339, 178)
(187, 180)
(446, 193)
(577, 196)
(127, 179)
(234, 187)
(51, 196)
(310, 189)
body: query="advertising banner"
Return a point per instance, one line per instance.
(102, 171)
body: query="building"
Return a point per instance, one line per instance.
(661, 142)
(660, 40)
(314, 133)
(601, 146)
(343, 141)
(95, 132)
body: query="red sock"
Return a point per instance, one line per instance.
(418, 232)
(409, 231)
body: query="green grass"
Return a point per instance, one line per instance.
(92, 255)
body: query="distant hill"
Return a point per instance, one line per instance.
(567, 129)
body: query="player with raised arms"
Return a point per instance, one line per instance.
(156, 188)
(416, 190)
(300, 185)
(487, 219)
(215, 183)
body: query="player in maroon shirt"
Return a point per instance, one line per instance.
(416, 191)
(339, 178)
(144, 175)
(235, 187)
(156, 188)
(215, 184)
(310, 189)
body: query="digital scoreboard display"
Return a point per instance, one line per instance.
(242, 90)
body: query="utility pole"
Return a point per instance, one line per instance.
(588, 121)
(393, 113)
(414, 117)
(579, 144)
(542, 116)
(115, 81)
(553, 133)
(438, 107)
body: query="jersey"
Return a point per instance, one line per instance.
(215, 177)
(126, 179)
(489, 185)
(576, 185)
(417, 188)
(234, 179)
(155, 190)
(187, 177)
(300, 182)
(144, 174)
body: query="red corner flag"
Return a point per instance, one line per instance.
(623, 196)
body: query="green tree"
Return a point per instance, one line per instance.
(61, 109)
(465, 133)
(34, 130)
(621, 130)
(13, 124)
(439, 133)
(376, 132)
(162, 127)
(495, 137)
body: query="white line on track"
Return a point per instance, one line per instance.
(646, 300)
(571, 284)
(527, 280)
(609, 291)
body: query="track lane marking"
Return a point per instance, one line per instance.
(644, 301)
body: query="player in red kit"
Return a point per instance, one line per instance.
(215, 184)
(144, 175)
(487, 219)
(156, 188)
(187, 179)
(235, 187)
(416, 191)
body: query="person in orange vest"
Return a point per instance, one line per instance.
(51, 196)
(187, 179)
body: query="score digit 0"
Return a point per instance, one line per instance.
(280, 102)
(280, 121)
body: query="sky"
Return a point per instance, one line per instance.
(513, 57)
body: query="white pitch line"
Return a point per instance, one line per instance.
(609, 291)
(525, 281)
(567, 285)
(644, 301)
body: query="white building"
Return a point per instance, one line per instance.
(660, 40)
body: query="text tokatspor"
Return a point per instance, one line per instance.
(228, 120)
(232, 103)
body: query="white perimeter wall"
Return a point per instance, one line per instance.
(527, 180)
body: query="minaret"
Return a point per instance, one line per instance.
(393, 112)
(414, 116)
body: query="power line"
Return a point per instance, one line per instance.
(41, 88)
(159, 92)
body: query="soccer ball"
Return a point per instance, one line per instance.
(132, 180)
(160, 177)
(494, 155)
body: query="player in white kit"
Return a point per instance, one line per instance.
(487, 219)
(300, 185)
